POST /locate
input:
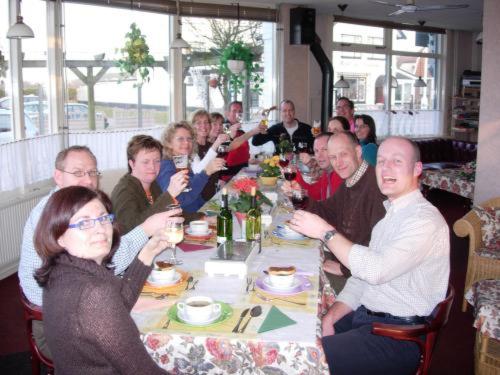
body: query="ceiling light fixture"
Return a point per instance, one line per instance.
(341, 83)
(419, 83)
(178, 42)
(20, 30)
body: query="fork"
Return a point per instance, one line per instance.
(249, 282)
(269, 299)
(193, 287)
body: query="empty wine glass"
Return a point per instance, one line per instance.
(181, 163)
(175, 234)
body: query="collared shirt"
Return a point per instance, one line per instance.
(130, 245)
(405, 269)
(351, 181)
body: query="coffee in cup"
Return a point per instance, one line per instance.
(198, 227)
(281, 277)
(198, 309)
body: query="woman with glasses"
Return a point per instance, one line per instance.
(178, 140)
(86, 308)
(137, 195)
(367, 135)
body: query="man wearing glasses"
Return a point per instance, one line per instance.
(345, 108)
(76, 166)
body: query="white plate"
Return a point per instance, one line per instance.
(188, 231)
(267, 282)
(215, 315)
(175, 280)
(289, 235)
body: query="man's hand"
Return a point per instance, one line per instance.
(336, 312)
(332, 267)
(309, 224)
(289, 186)
(234, 130)
(177, 183)
(221, 138)
(158, 221)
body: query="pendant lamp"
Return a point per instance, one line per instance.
(20, 30)
(419, 83)
(178, 42)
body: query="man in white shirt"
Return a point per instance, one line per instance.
(399, 278)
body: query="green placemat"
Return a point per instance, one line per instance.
(275, 319)
(226, 312)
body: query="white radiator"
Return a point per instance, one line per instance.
(14, 210)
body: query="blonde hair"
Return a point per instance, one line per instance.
(169, 133)
(200, 113)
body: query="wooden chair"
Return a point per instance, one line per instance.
(478, 267)
(423, 334)
(33, 312)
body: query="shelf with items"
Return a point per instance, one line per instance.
(465, 117)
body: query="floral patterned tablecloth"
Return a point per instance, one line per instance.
(484, 295)
(294, 349)
(449, 180)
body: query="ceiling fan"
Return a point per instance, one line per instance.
(411, 7)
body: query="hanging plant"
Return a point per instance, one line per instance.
(136, 59)
(242, 52)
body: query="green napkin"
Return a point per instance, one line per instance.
(275, 319)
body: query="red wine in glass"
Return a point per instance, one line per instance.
(299, 202)
(222, 154)
(290, 176)
(283, 162)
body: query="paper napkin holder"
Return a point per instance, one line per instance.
(232, 258)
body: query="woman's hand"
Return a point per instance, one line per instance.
(221, 138)
(234, 130)
(177, 183)
(214, 166)
(153, 247)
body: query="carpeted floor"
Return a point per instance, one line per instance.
(453, 352)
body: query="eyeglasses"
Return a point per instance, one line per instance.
(94, 173)
(183, 139)
(90, 223)
(362, 126)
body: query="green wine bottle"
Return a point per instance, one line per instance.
(253, 219)
(224, 221)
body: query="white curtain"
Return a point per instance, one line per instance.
(32, 160)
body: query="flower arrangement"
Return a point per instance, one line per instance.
(270, 167)
(242, 202)
(284, 146)
(136, 59)
(468, 171)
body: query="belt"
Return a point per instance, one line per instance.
(415, 319)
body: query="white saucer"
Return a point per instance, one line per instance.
(267, 282)
(188, 231)
(289, 235)
(215, 315)
(175, 280)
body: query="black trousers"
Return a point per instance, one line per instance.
(353, 349)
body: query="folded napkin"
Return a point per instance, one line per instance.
(187, 247)
(275, 319)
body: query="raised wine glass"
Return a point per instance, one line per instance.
(181, 163)
(222, 152)
(175, 234)
(299, 199)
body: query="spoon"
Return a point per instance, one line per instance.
(194, 285)
(189, 280)
(243, 314)
(254, 312)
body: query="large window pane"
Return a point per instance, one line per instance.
(6, 133)
(357, 34)
(204, 87)
(414, 41)
(119, 102)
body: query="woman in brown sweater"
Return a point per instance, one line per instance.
(86, 308)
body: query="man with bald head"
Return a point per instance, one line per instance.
(355, 207)
(398, 279)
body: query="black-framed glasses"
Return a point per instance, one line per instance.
(90, 223)
(94, 173)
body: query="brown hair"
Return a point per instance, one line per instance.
(214, 116)
(370, 122)
(287, 101)
(343, 121)
(54, 221)
(141, 142)
(63, 154)
(168, 135)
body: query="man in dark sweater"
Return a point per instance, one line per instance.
(290, 128)
(355, 207)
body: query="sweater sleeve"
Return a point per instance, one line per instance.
(105, 324)
(132, 282)
(199, 165)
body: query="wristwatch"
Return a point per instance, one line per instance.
(329, 235)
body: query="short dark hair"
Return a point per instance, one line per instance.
(54, 221)
(63, 154)
(240, 103)
(370, 122)
(345, 123)
(323, 135)
(350, 103)
(141, 142)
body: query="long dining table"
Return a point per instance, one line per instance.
(285, 338)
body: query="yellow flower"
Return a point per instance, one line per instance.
(276, 158)
(272, 164)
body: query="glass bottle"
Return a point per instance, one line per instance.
(224, 221)
(253, 219)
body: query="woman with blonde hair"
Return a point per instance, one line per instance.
(178, 139)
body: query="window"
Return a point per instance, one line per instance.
(412, 111)
(118, 102)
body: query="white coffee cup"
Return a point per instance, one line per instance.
(198, 227)
(198, 308)
(281, 279)
(163, 274)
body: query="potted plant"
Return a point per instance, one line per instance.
(237, 63)
(270, 171)
(136, 59)
(241, 204)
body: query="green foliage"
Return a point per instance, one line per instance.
(285, 146)
(240, 51)
(136, 59)
(243, 202)
(270, 167)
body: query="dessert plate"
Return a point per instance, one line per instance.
(175, 280)
(301, 284)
